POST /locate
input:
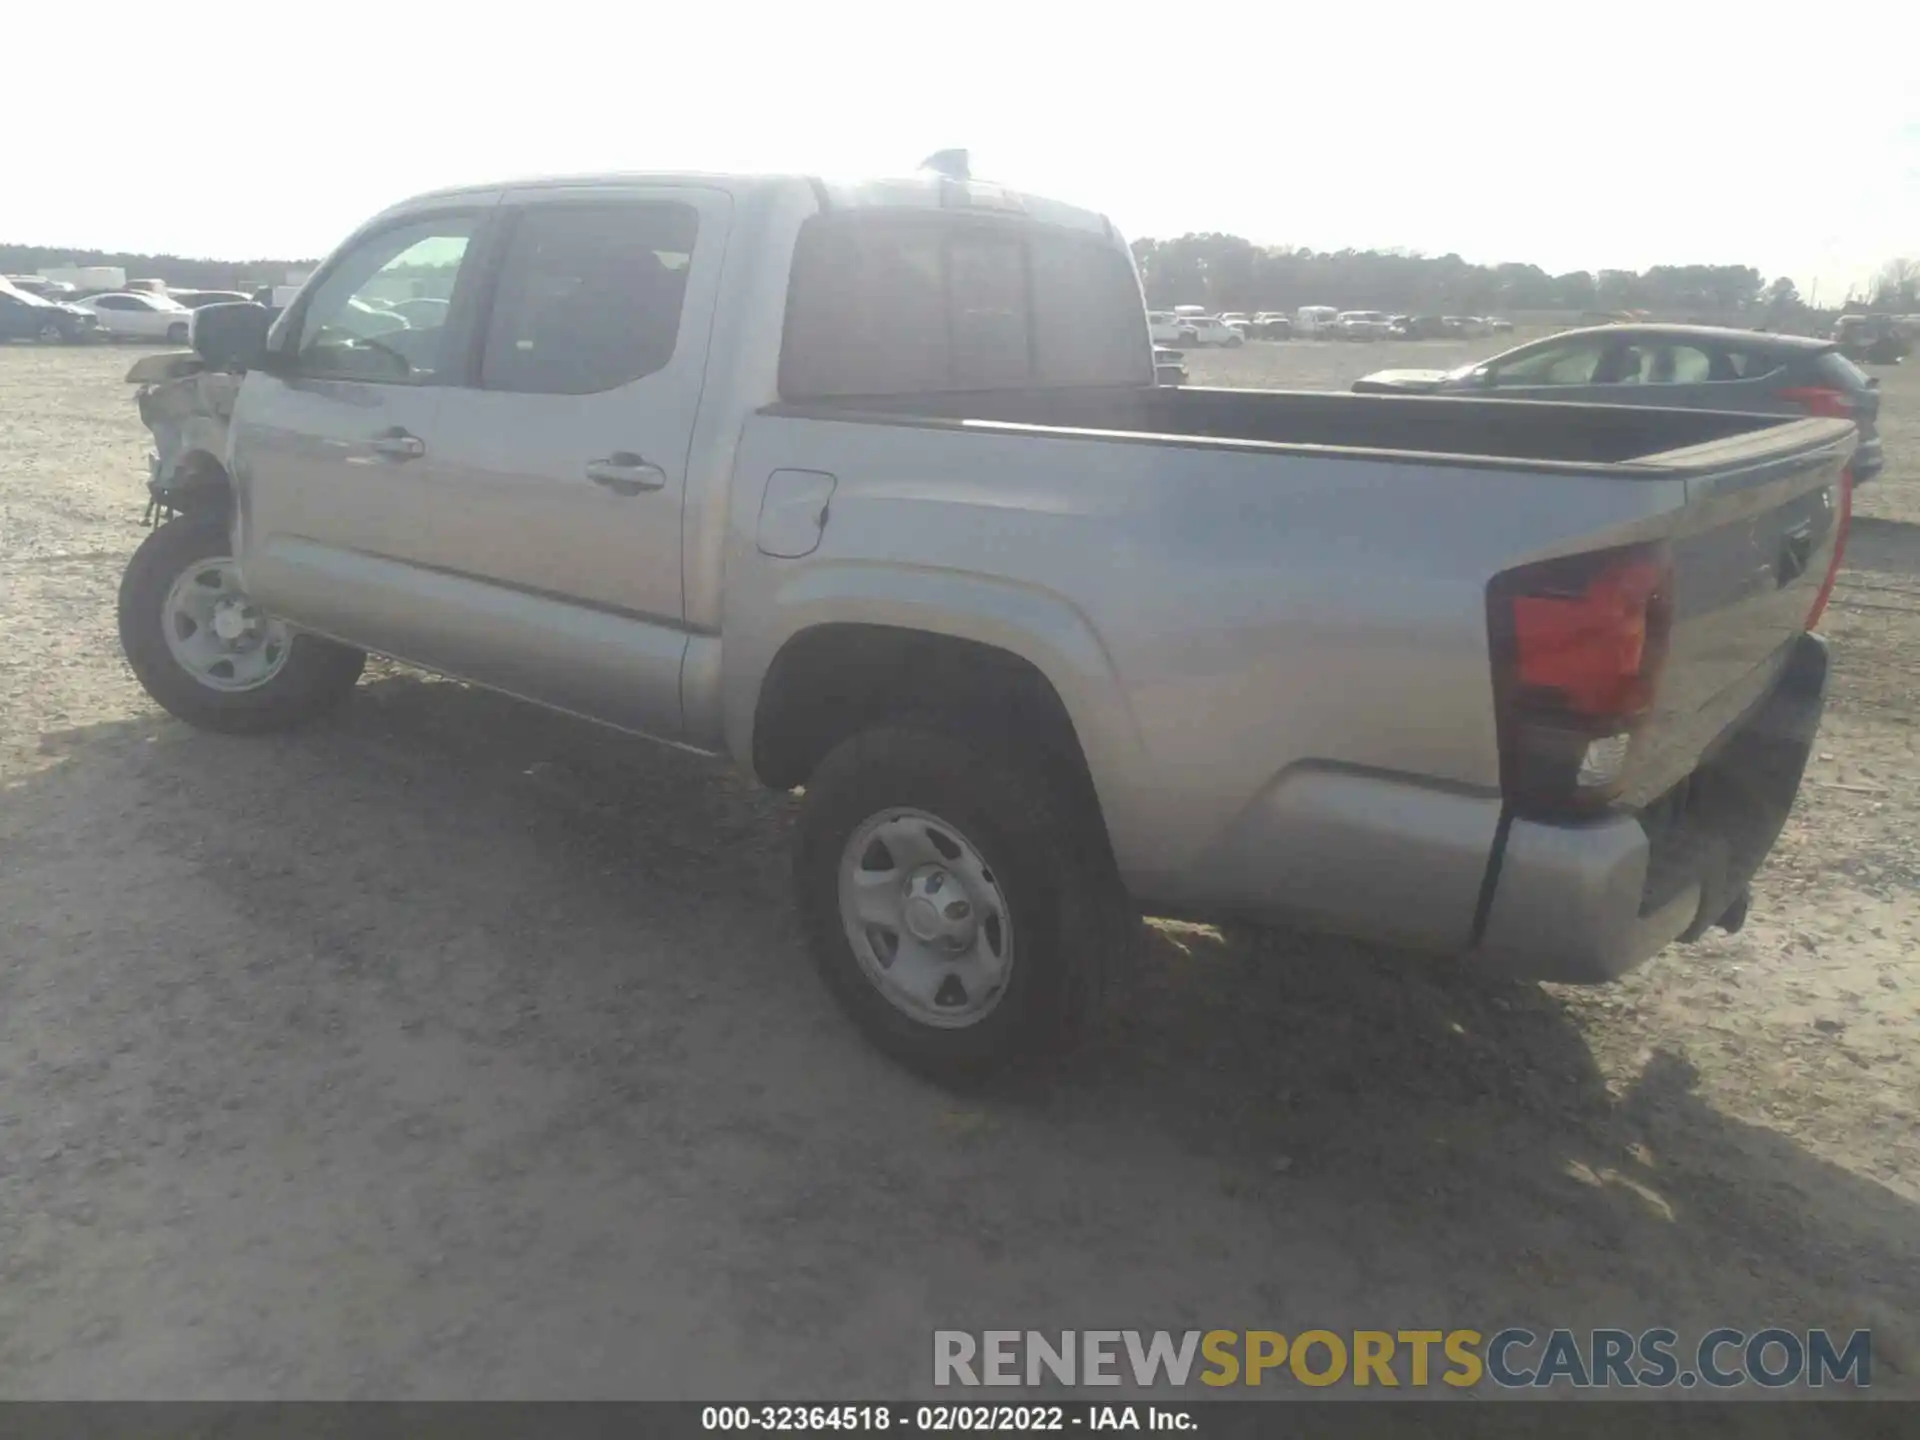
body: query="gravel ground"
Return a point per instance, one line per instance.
(455, 1049)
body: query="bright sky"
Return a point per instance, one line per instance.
(1572, 136)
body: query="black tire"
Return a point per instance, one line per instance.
(1075, 928)
(51, 333)
(317, 676)
(177, 334)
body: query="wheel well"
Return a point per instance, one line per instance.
(835, 680)
(199, 482)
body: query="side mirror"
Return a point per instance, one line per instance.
(1482, 379)
(231, 336)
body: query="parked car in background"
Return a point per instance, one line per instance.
(422, 312)
(1212, 330)
(25, 316)
(1872, 339)
(130, 315)
(275, 297)
(1272, 325)
(194, 299)
(1470, 327)
(1239, 320)
(1419, 327)
(1169, 366)
(1684, 366)
(86, 279)
(1315, 322)
(1499, 326)
(1362, 325)
(57, 290)
(1168, 328)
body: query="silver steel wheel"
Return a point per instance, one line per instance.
(216, 634)
(927, 918)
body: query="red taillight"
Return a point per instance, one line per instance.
(1590, 647)
(1819, 400)
(1839, 549)
(1578, 645)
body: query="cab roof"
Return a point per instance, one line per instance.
(924, 190)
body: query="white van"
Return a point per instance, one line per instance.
(1315, 321)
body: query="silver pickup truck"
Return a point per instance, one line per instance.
(870, 487)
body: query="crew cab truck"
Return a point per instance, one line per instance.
(869, 487)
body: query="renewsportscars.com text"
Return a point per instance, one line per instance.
(1513, 1358)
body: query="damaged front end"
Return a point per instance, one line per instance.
(187, 407)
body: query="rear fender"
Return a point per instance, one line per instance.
(1040, 627)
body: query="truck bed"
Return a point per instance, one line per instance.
(1439, 430)
(1310, 572)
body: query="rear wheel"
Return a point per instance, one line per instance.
(177, 333)
(957, 910)
(209, 655)
(51, 333)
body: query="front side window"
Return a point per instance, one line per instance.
(1570, 363)
(349, 328)
(589, 297)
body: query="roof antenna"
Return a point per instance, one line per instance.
(950, 163)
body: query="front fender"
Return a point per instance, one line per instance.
(188, 418)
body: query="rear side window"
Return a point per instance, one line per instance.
(891, 304)
(589, 296)
(1751, 364)
(1663, 363)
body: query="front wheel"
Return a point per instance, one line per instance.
(957, 909)
(177, 334)
(202, 649)
(51, 333)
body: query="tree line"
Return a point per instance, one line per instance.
(1226, 272)
(176, 270)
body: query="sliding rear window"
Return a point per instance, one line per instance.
(891, 304)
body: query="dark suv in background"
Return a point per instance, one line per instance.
(28, 317)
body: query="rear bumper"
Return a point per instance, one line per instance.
(1587, 903)
(1387, 858)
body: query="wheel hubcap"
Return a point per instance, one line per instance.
(927, 918)
(216, 634)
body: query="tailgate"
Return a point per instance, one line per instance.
(1751, 552)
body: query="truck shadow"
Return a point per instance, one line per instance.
(1302, 1131)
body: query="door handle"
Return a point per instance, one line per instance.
(398, 444)
(626, 473)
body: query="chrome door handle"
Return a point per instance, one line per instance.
(626, 473)
(397, 444)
